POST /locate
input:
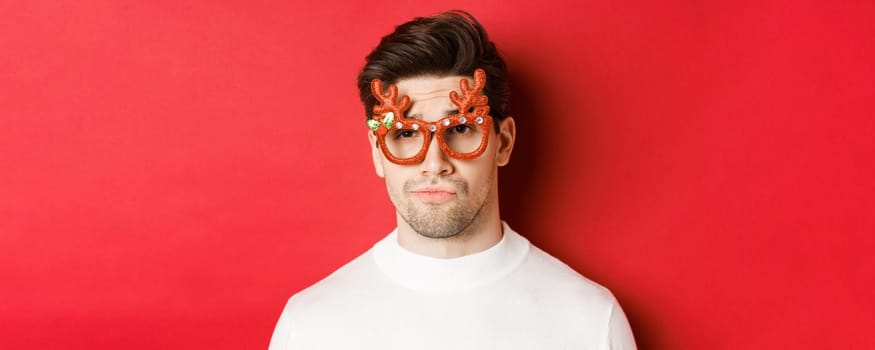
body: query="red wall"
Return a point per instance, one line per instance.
(171, 172)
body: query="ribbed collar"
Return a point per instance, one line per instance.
(428, 274)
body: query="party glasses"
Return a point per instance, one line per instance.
(405, 141)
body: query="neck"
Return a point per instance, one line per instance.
(483, 233)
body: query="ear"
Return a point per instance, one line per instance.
(376, 155)
(506, 136)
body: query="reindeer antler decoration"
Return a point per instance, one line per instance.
(391, 109)
(471, 95)
(387, 107)
(456, 134)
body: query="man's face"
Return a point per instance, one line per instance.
(442, 196)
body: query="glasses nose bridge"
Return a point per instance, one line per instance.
(435, 160)
(436, 131)
(432, 129)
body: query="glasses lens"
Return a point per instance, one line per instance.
(404, 143)
(463, 138)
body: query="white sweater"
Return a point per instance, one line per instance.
(510, 296)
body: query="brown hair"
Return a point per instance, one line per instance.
(450, 43)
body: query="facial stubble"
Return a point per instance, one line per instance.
(441, 220)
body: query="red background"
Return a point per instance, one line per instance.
(171, 172)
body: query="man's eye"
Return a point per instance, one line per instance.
(461, 129)
(405, 134)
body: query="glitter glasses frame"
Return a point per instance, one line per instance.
(390, 107)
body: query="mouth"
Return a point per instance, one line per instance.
(434, 194)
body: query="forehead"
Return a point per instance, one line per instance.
(430, 95)
(425, 88)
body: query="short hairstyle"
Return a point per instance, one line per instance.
(449, 43)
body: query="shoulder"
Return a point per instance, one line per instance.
(345, 283)
(574, 305)
(552, 279)
(556, 271)
(317, 305)
(538, 270)
(538, 266)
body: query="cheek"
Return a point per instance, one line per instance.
(393, 190)
(394, 178)
(478, 173)
(390, 179)
(484, 165)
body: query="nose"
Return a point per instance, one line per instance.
(436, 162)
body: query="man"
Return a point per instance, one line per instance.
(452, 275)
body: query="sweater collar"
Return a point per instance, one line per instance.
(428, 274)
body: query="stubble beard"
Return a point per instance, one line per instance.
(442, 220)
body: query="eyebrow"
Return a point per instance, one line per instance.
(446, 113)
